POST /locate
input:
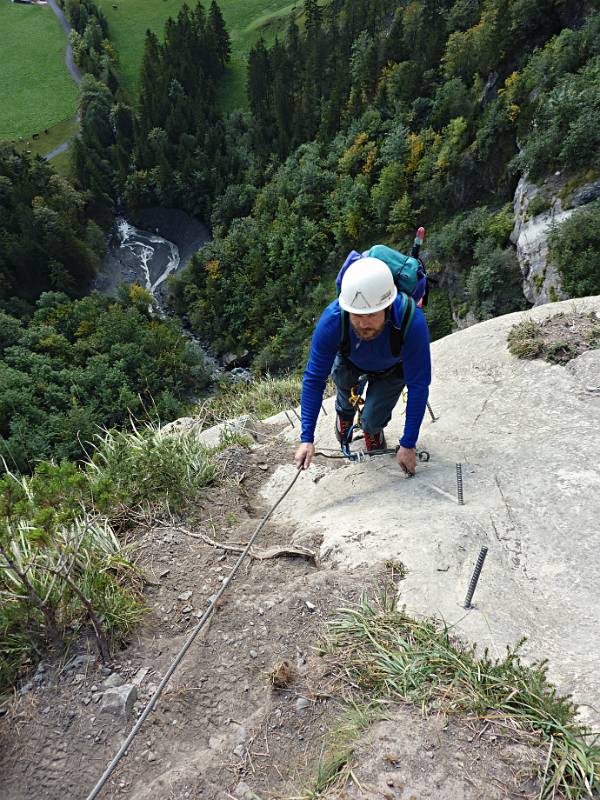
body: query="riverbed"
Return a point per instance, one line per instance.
(147, 248)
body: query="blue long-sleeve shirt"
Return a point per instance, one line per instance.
(371, 356)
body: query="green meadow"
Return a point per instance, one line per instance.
(246, 21)
(36, 91)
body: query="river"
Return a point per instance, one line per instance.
(160, 244)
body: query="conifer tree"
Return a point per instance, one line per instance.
(152, 84)
(313, 16)
(216, 25)
(283, 98)
(259, 83)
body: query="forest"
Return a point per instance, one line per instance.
(372, 118)
(366, 119)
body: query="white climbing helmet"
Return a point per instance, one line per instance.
(367, 287)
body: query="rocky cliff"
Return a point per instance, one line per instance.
(228, 725)
(537, 209)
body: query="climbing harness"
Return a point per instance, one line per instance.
(357, 402)
(356, 399)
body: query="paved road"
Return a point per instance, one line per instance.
(57, 151)
(71, 66)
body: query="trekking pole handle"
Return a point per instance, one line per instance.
(419, 239)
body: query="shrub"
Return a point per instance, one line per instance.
(81, 365)
(566, 131)
(61, 563)
(494, 282)
(524, 339)
(149, 466)
(439, 314)
(538, 205)
(61, 566)
(557, 340)
(456, 241)
(575, 248)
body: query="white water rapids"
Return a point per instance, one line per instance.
(141, 256)
(141, 246)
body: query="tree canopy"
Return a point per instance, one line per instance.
(47, 241)
(79, 365)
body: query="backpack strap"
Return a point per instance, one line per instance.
(397, 334)
(344, 348)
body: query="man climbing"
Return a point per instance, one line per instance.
(368, 329)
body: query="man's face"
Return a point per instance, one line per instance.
(368, 326)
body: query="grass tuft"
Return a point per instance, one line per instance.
(557, 339)
(282, 675)
(524, 339)
(63, 566)
(391, 656)
(335, 764)
(261, 398)
(54, 578)
(150, 466)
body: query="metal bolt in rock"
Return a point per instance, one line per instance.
(475, 576)
(459, 485)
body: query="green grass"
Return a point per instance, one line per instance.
(57, 134)
(385, 655)
(148, 466)
(246, 20)
(62, 164)
(246, 23)
(36, 91)
(260, 399)
(63, 563)
(128, 23)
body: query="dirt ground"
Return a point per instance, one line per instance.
(220, 729)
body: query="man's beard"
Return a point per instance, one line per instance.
(369, 334)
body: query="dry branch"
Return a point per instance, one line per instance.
(259, 555)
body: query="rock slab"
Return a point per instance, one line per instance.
(119, 700)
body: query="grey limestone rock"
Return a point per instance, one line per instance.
(541, 279)
(586, 194)
(112, 681)
(79, 663)
(119, 700)
(243, 792)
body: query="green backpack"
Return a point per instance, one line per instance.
(408, 274)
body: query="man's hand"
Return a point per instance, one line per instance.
(407, 459)
(304, 455)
